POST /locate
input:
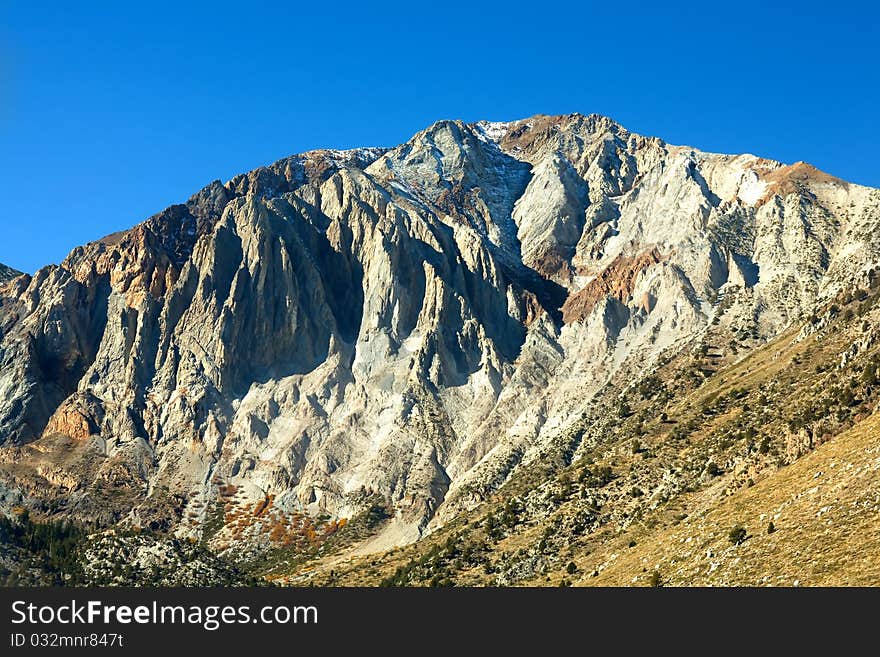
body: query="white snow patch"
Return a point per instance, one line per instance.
(492, 130)
(751, 188)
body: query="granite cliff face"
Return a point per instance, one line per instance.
(7, 273)
(412, 323)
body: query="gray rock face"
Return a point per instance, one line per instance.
(7, 273)
(413, 323)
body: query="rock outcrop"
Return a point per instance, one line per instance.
(7, 274)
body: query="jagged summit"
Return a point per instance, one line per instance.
(412, 324)
(572, 136)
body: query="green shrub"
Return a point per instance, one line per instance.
(737, 535)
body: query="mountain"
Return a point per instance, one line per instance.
(353, 350)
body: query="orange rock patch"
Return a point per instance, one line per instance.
(74, 419)
(617, 280)
(793, 178)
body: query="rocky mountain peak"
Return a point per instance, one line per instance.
(412, 324)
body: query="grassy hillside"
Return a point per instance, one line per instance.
(815, 522)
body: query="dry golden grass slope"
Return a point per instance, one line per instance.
(825, 509)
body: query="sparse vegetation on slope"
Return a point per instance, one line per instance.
(719, 455)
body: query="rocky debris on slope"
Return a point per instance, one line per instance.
(414, 323)
(112, 559)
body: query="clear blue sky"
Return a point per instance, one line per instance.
(111, 111)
